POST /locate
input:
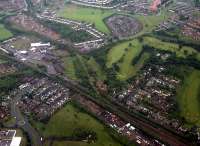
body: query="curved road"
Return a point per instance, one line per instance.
(22, 122)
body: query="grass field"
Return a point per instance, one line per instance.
(119, 50)
(172, 47)
(2, 61)
(70, 70)
(151, 21)
(94, 67)
(4, 33)
(189, 98)
(90, 15)
(68, 119)
(126, 68)
(69, 143)
(128, 71)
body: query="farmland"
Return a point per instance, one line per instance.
(69, 119)
(89, 15)
(188, 98)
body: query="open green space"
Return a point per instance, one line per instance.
(89, 15)
(7, 82)
(2, 61)
(151, 21)
(4, 33)
(70, 70)
(119, 50)
(68, 120)
(96, 69)
(69, 143)
(189, 98)
(181, 51)
(126, 68)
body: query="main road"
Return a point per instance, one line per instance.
(23, 123)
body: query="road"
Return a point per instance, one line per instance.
(23, 123)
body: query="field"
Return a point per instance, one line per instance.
(70, 70)
(94, 67)
(69, 119)
(5, 34)
(189, 98)
(2, 61)
(151, 21)
(90, 15)
(117, 52)
(24, 42)
(69, 143)
(184, 51)
(126, 68)
(123, 54)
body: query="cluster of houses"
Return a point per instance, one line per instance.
(123, 26)
(96, 42)
(40, 96)
(180, 13)
(12, 5)
(9, 138)
(4, 108)
(192, 29)
(144, 7)
(152, 93)
(116, 123)
(103, 4)
(6, 69)
(128, 130)
(97, 2)
(38, 53)
(137, 6)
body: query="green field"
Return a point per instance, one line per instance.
(126, 68)
(189, 98)
(94, 67)
(151, 21)
(69, 143)
(119, 50)
(4, 33)
(90, 15)
(68, 119)
(184, 51)
(70, 70)
(2, 61)
(123, 54)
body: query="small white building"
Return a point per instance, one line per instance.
(39, 44)
(16, 141)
